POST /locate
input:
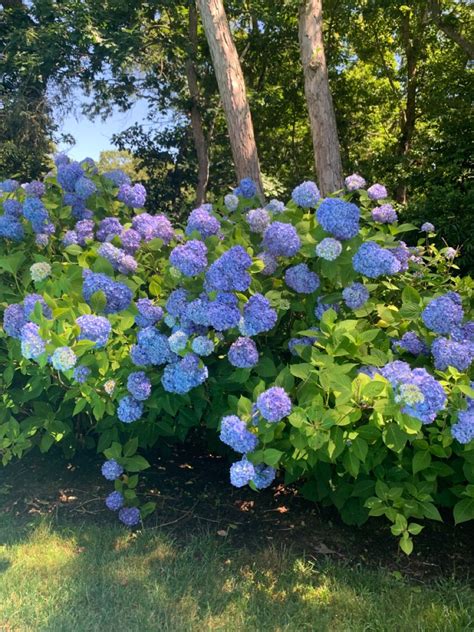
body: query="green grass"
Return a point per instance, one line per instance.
(102, 578)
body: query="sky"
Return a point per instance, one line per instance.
(92, 137)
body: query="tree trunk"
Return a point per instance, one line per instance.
(318, 98)
(232, 91)
(449, 30)
(199, 136)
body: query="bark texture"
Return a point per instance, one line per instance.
(200, 141)
(232, 91)
(318, 97)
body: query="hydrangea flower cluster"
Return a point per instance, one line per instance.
(443, 313)
(130, 516)
(63, 359)
(373, 261)
(190, 258)
(178, 341)
(259, 316)
(247, 188)
(412, 343)
(427, 227)
(148, 313)
(384, 214)
(133, 196)
(306, 194)
(111, 470)
(117, 177)
(355, 295)
(11, 228)
(109, 227)
(35, 212)
(202, 346)
(243, 353)
(339, 218)
(152, 348)
(463, 430)
(153, 227)
(81, 374)
(95, 328)
(35, 188)
(241, 473)
(231, 202)
(258, 220)
(322, 307)
(276, 207)
(271, 264)
(201, 220)
(119, 259)
(229, 271)
(234, 433)
(32, 344)
(355, 182)
(448, 352)
(274, 404)
(129, 409)
(68, 174)
(329, 249)
(117, 295)
(184, 375)
(84, 187)
(301, 279)
(281, 240)
(114, 501)
(377, 192)
(40, 271)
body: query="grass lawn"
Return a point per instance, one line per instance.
(78, 572)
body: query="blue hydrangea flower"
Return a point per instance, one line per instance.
(149, 313)
(443, 313)
(241, 473)
(13, 208)
(29, 304)
(81, 373)
(129, 409)
(182, 376)
(306, 194)
(201, 220)
(384, 214)
(231, 202)
(131, 241)
(42, 240)
(34, 188)
(264, 476)
(243, 353)
(202, 346)
(11, 228)
(14, 319)
(190, 258)
(84, 187)
(63, 359)
(355, 295)
(373, 261)
(412, 343)
(32, 344)
(178, 341)
(281, 240)
(153, 227)
(463, 430)
(130, 516)
(303, 341)
(154, 346)
(247, 188)
(276, 207)
(259, 316)
(139, 385)
(301, 279)
(258, 220)
(448, 352)
(434, 397)
(69, 174)
(234, 433)
(118, 296)
(329, 249)
(133, 196)
(464, 332)
(229, 271)
(117, 177)
(36, 213)
(109, 227)
(274, 404)
(270, 262)
(89, 165)
(84, 230)
(427, 227)
(114, 501)
(177, 303)
(111, 470)
(70, 238)
(9, 186)
(355, 182)
(119, 259)
(338, 217)
(222, 314)
(95, 328)
(377, 192)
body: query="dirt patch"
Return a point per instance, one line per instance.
(192, 493)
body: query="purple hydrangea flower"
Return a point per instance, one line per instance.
(443, 313)
(35, 212)
(118, 296)
(178, 341)
(153, 227)
(29, 303)
(241, 473)
(229, 271)
(84, 231)
(464, 332)
(34, 188)
(301, 279)
(70, 238)
(190, 258)
(355, 295)
(130, 516)
(117, 177)
(32, 344)
(373, 261)
(109, 227)
(114, 501)
(377, 192)
(95, 328)
(177, 302)
(9, 186)
(69, 174)
(153, 346)
(274, 404)
(339, 218)
(119, 259)
(281, 240)
(131, 241)
(201, 221)
(270, 262)
(13, 208)
(384, 214)
(306, 194)
(42, 240)
(243, 353)
(448, 352)
(111, 470)
(463, 430)
(11, 228)
(133, 196)
(412, 343)
(259, 316)
(234, 433)
(450, 253)
(276, 207)
(427, 227)
(139, 385)
(14, 319)
(149, 314)
(303, 341)
(355, 182)
(258, 220)
(329, 249)
(129, 409)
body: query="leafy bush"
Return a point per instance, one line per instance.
(312, 339)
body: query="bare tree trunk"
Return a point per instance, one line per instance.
(449, 30)
(199, 136)
(230, 80)
(318, 97)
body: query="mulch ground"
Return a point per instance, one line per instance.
(193, 494)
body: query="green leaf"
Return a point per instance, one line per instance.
(272, 456)
(394, 438)
(421, 461)
(302, 370)
(80, 405)
(98, 301)
(410, 295)
(406, 543)
(136, 463)
(464, 510)
(130, 447)
(351, 463)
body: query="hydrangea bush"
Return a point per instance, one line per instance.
(307, 336)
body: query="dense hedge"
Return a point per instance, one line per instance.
(315, 342)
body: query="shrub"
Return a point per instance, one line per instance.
(306, 343)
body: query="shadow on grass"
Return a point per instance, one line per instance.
(93, 578)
